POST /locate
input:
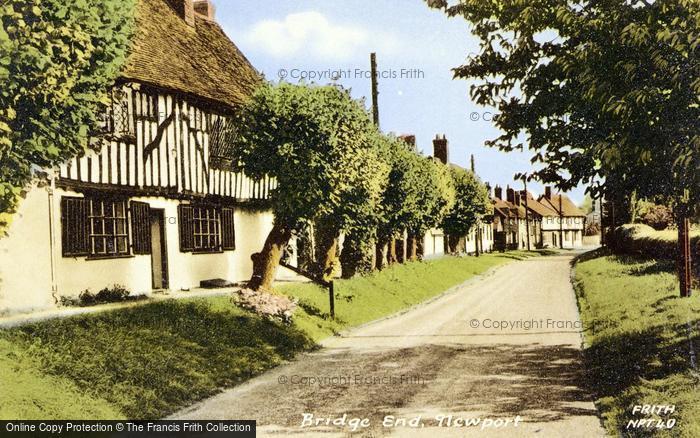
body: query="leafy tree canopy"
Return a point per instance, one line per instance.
(471, 203)
(601, 89)
(319, 145)
(436, 195)
(58, 60)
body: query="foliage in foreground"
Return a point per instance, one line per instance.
(637, 343)
(58, 61)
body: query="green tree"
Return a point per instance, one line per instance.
(436, 197)
(401, 198)
(605, 90)
(58, 60)
(472, 202)
(316, 141)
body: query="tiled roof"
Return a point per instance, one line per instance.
(508, 209)
(199, 60)
(567, 206)
(539, 208)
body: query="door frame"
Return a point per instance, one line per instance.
(159, 214)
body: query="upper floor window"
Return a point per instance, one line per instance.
(118, 120)
(221, 137)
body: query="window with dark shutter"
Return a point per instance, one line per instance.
(141, 227)
(228, 231)
(185, 219)
(74, 226)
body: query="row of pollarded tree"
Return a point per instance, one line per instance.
(335, 170)
(603, 91)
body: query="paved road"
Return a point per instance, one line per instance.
(444, 358)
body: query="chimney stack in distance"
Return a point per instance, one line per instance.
(498, 192)
(440, 149)
(548, 192)
(510, 195)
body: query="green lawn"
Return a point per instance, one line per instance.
(149, 360)
(637, 345)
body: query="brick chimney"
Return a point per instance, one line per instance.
(205, 9)
(440, 149)
(548, 192)
(488, 188)
(498, 192)
(510, 195)
(185, 9)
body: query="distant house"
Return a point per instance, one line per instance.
(508, 220)
(154, 204)
(548, 224)
(565, 230)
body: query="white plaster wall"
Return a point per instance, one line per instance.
(25, 264)
(25, 259)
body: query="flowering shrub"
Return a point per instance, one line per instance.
(266, 304)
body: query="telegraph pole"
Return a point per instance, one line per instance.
(527, 214)
(561, 224)
(477, 232)
(375, 92)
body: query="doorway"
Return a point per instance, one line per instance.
(159, 251)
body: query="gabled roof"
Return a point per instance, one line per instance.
(568, 208)
(199, 60)
(539, 208)
(507, 208)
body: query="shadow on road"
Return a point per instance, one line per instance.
(540, 383)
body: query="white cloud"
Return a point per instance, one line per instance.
(312, 34)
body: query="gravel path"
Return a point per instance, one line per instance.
(450, 357)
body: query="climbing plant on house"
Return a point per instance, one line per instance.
(58, 60)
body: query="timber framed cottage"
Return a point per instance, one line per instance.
(154, 204)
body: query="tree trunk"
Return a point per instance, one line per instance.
(684, 258)
(326, 250)
(412, 247)
(265, 262)
(391, 252)
(381, 254)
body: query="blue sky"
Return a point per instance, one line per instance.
(416, 49)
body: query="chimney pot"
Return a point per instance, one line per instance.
(548, 192)
(441, 149)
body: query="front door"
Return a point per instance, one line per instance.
(159, 252)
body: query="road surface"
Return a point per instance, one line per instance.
(501, 351)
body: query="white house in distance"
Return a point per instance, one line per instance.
(153, 205)
(563, 229)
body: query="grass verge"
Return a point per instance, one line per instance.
(149, 360)
(638, 342)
